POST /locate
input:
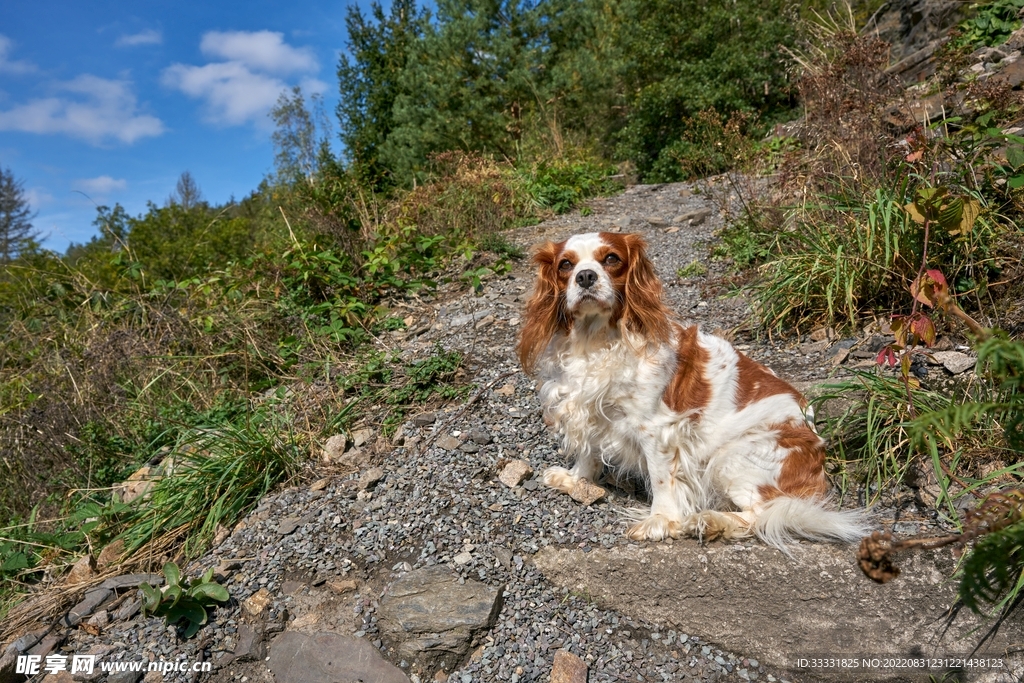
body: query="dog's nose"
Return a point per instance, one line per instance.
(586, 278)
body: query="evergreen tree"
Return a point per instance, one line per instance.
(16, 231)
(369, 83)
(681, 58)
(466, 84)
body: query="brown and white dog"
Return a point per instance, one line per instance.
(725, 446)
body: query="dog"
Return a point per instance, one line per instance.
(727, 449)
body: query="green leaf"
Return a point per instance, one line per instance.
(152, 597)
(186, 609)
(172, 573)
(1015, 182)
(214, 591)
(15, 562)
(173, 593)
(1015, 155)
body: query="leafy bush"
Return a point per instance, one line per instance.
(562, 185)
(685, 58)
(992, 25)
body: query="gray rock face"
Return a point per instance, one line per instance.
(329, 658)
(910, 25)
(433, 619)
(757, 601)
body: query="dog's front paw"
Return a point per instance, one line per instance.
(655, 528)
(559, 479)
(711, 524)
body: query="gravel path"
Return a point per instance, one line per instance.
(443, 503)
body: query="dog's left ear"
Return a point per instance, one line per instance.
(643, 309)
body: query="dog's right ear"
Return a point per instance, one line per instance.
(545, 312)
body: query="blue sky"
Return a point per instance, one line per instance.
(115, 100)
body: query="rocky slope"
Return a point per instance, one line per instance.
(441, 558)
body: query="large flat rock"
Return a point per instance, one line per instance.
(329, 658)
(433, 618)
(755, 601)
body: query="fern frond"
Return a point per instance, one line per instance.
(994, 570)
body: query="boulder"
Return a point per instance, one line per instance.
(433, 619)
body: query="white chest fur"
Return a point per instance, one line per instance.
(605, 399)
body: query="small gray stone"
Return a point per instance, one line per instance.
(693, 217)
(954, 361)
(361, 436)
(288, 525)
(127, 610)
(249, 645)
(370, 478)
(448, 442)
(480, 436)
(424, 419)
(132, 581)
(100, 619)
(463, 558)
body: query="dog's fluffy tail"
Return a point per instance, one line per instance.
(784, 519)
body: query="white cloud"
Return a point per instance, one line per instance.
(244, 87)
(258, 50)
(95, 110)
(102, 185)
(12, 67)
(234, 95)
(148, 37)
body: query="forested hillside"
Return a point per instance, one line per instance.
(237, 338)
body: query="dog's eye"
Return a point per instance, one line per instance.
(612, 260)
(565, 264)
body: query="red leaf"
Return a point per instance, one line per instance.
(915, 156)
(924, 328)
(887, 356)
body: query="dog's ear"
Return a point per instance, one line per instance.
(545, 312)
(643, 310)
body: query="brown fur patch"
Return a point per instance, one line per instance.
(640, 293)
(803, 469)
(545, 312)
(689, 389)
(756, 382)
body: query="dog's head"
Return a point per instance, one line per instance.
(588, 283)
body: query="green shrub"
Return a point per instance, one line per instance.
(562, 185)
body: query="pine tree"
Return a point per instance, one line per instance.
(16, 231)
(370, 83)
(466, 84)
